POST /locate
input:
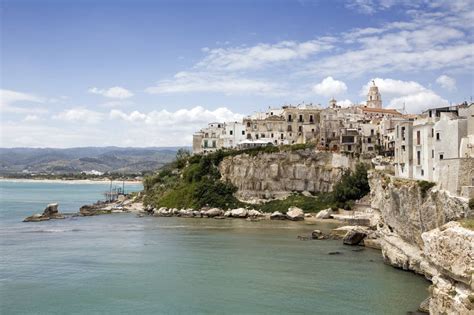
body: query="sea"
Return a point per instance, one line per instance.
(124, 264)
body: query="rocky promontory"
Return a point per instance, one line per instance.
(50, 212)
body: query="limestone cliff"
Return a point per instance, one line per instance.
(416, 234)
(275, 175)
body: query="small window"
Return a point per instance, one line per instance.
(438, 136)
(432, 154)
(213, 143)
(441, 156)
(403, 148)
(231, 132)
(422, 172)
(243, 132)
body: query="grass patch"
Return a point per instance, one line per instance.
(467, 223)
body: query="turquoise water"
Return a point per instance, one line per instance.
(121, 264)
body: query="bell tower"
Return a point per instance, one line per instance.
(374, 99)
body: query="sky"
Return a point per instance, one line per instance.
(150, 73)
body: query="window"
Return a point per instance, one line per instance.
(349, 147)
(248, 124)
(272, 135)
(262, 135)
(441, 156)
(403, 133)
(231, 132)
(369, 140)
(418, 157)
(205, 144)
(300, 128)
(243, 132)
(422, 172)
(371, 132)
(432, 132)
(432, 154)
(301, 118)
(213, 143)
(418, 137)
(289, 128)
(255, 127)
(311, 118)
(289, 118)
(256, 136)
(438, 136)
(403, 148)
(281, 136)
(206, 135)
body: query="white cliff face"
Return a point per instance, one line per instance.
(276, 175)
(416, 234)
(407, 212)
(450, 251)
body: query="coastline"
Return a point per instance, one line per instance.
(66, 181)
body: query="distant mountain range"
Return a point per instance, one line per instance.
(86, 159)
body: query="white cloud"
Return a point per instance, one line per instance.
(240, 58)
(113, 92)
(184, 82)
(345, 103)
(197, 116)
(330, 87)
(418, 102)
(446, 82)
(393, 87)
(409, 94)
(31, 118)
(80, 115)
(9, 97)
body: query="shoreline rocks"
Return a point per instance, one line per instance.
(50, 212)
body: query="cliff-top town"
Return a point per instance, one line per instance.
(436, 145)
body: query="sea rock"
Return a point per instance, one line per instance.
(324, 214)
(307, 215)
(228, 213)
(50, 212)
(239, 213)
(185, 213)
(214, 212)
(372, 243)
(354, 237)
(254, 213)
(277, 215)
(295, 214)
(162, 212)
(424, 306)
(318, 235)
(196, 213)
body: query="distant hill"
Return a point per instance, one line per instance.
(77, 160)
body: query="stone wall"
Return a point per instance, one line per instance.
(276, 175)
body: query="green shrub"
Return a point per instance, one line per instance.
(471, 203)
(215, 193)
(424, 187)
(352, 186)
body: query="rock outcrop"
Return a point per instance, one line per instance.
(276, 175)
(417, 232)
(50, 212)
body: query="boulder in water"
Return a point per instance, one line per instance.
(295, 214)
(354, 237)
(324, 214)
(239, 213)
(50, 212)
(277, 215)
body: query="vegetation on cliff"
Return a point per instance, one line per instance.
(195, 182)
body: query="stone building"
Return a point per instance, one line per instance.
(290, 125)
(374, 99)
(435, 147)
(217, 136)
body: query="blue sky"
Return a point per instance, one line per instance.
(149, 73)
